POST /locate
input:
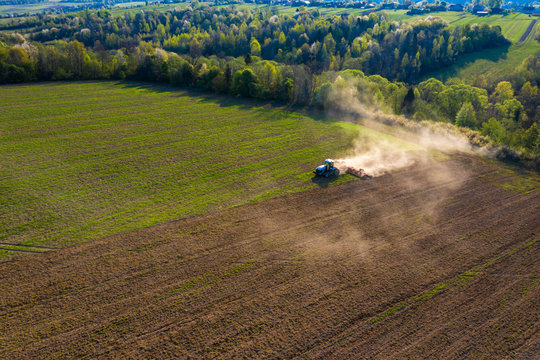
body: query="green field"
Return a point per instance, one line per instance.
(34, 8)
(512, 26)
(135, 7)
(400, 15)
(494, 62)
(85, 160)
(49, 5)
(282, 10)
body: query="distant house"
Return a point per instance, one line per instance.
(482, 13)
(477, 8)
(455, 7)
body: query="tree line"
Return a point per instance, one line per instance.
(370, 43)
(299, 60)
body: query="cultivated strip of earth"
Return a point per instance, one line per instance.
(397, 266)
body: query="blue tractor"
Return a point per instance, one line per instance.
(327, 170)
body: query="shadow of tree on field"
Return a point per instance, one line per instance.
(224, 100)
(227, 100)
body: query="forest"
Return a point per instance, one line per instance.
(301, 59)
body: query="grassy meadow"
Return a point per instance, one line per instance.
(495, 62)
(498, 61)
(512, 26)
(33, 8)
(85, 160)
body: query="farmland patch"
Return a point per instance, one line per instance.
(85, 160)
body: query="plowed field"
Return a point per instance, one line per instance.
(439, 260)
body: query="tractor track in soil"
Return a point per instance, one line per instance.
(299, 276)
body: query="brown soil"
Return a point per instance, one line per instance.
(435, 261)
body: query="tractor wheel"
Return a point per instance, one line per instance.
(327, 174)
(336, 172)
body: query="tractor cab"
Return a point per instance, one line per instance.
(326, 170)
(329, 163)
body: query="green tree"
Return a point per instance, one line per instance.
(330, 44)
(245, 83)
(76, 57)
(510, 109)
(17, 56)
(255, 47)
(466, 117)
(430, 88)
(494, 129)
(322, 95)
(528, 94)
(451, 99)
(270, 77)
(282, 39)
(531, 138)
(503, 92)
(195, 48)
(494, 4)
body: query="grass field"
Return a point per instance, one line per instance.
(512, 26)
(496, 62)
(47, 5)
(85, 160)
(282, 10)
(400, 15)
(135, 7)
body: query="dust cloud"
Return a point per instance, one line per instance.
(377, 157)
(410, 141)
(383, 217)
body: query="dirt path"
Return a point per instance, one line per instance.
(439, 260)
(527, 32)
